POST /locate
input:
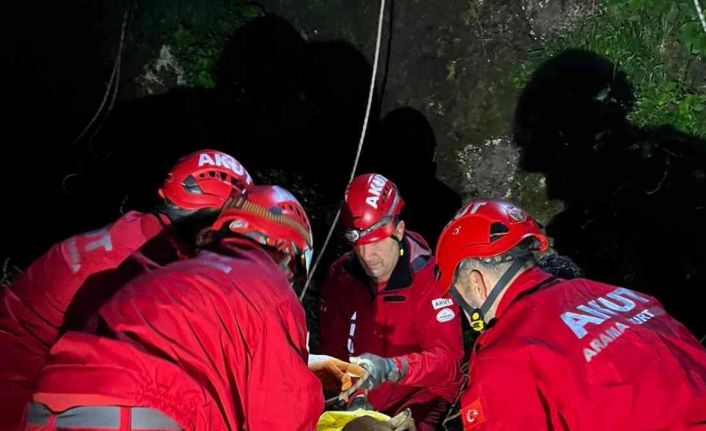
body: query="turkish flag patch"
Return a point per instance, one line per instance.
(472, 415)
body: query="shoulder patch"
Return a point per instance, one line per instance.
(472, 415)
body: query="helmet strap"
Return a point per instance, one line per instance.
(394, 222)
(514, 268)
(399, 243)
(477, 315)
(466, 307)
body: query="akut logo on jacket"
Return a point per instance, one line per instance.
(599, 310)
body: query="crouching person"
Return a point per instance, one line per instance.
(216, 342)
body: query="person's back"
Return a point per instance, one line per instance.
(216, 342)
(230, 323)
(40, 302)
(596, 357)
(559, 354)
(63, 289)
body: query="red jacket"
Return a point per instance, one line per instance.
(217, 342)
(407, 320)
(40, 303)
(583, 355)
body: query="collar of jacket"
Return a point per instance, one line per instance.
(525, 284)
(238, 246)
(416, 256)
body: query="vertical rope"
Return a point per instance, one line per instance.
(360, 147)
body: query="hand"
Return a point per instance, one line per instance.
(403, 421)
(335, 375)
(380, 370)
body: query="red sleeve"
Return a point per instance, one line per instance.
(333, 331)
(33, 307)
(439, 328)
(502, 395)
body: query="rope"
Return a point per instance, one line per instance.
(360, 147)
(701, 14)
(114, 81)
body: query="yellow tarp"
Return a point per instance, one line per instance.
(335, 421)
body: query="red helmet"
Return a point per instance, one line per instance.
(371, 204)
(483, 229)
(273, 217)
(204, 179)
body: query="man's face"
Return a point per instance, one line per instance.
(379, 258)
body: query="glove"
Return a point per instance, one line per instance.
(380, 370)
(335, 375)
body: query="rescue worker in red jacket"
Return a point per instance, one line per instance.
(64, 287)
(380, 304)
(562, 354)
(216, 342)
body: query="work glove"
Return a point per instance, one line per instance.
(335, 375)
(401, 422)
(380, 370)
